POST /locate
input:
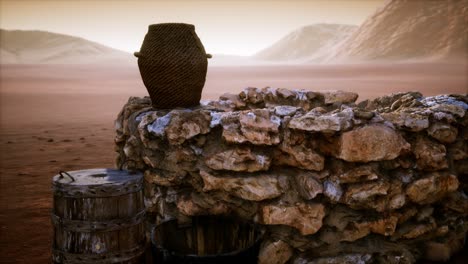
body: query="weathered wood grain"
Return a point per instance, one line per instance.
(98, 217)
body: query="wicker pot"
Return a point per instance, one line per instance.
(173, 65)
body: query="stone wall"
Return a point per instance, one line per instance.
(330, 180)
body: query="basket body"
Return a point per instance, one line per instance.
(173, 65)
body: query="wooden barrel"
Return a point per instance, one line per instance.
(98, 217)
(206, 240)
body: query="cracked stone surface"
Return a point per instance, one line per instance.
(327, 179)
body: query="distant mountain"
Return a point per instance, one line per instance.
(410, 29)
(27, 46)
(307, 42)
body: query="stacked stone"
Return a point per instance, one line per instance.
(330, 180)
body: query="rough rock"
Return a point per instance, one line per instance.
(274, 252)
(340, 216)
(301, 157)
(316, 121)
(328, 180)
(258, 127)
(303, 99)
(239, 159)
(459, 150)
(362, 114)
(222, 202)
(285, 93)
(394, 101)
(359, 174)
(381, 195)
(175, 159)
(384, 226)
(234, 100)
(432, 187)
(256, 188)
(453, 104)
(443, 117)
(411, 231)
(412, 121)
(307, 186)
(363, 195)
(332, 190)
(307, 218)
(131, 148)
(457, 201)
(295, 152)
(251, 95)
(146, 119)
(180, 125)
(455, 110)
(443, 132)
(285, 110)
(341, 259)
(340, 97)
(444, 248)
(429, 154)
(437, 251)
(350, 225)
(164, 178)
(371, 143)
(187, 206)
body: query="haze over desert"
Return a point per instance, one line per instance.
(54, 119)
(59, 97)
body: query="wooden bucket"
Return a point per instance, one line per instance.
(98, 217)
(206, 240)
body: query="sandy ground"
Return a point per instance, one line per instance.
(60, 117)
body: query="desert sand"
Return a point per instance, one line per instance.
(60, 117)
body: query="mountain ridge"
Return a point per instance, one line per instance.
(44, 47)
(409, 30)
(306, 42)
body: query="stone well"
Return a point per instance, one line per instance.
(331, 181)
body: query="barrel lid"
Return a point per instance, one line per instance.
(97, 177)
(96, 182)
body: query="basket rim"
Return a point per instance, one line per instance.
(156, 26)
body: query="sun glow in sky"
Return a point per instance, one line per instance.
(239, 27)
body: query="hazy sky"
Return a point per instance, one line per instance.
(240, 27)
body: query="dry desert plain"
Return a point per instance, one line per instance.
(60, 117)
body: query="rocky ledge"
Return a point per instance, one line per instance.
(330, 180)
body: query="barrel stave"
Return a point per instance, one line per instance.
(100, 229)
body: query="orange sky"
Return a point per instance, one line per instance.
(239, 27)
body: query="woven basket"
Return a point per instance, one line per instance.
(173, 65)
